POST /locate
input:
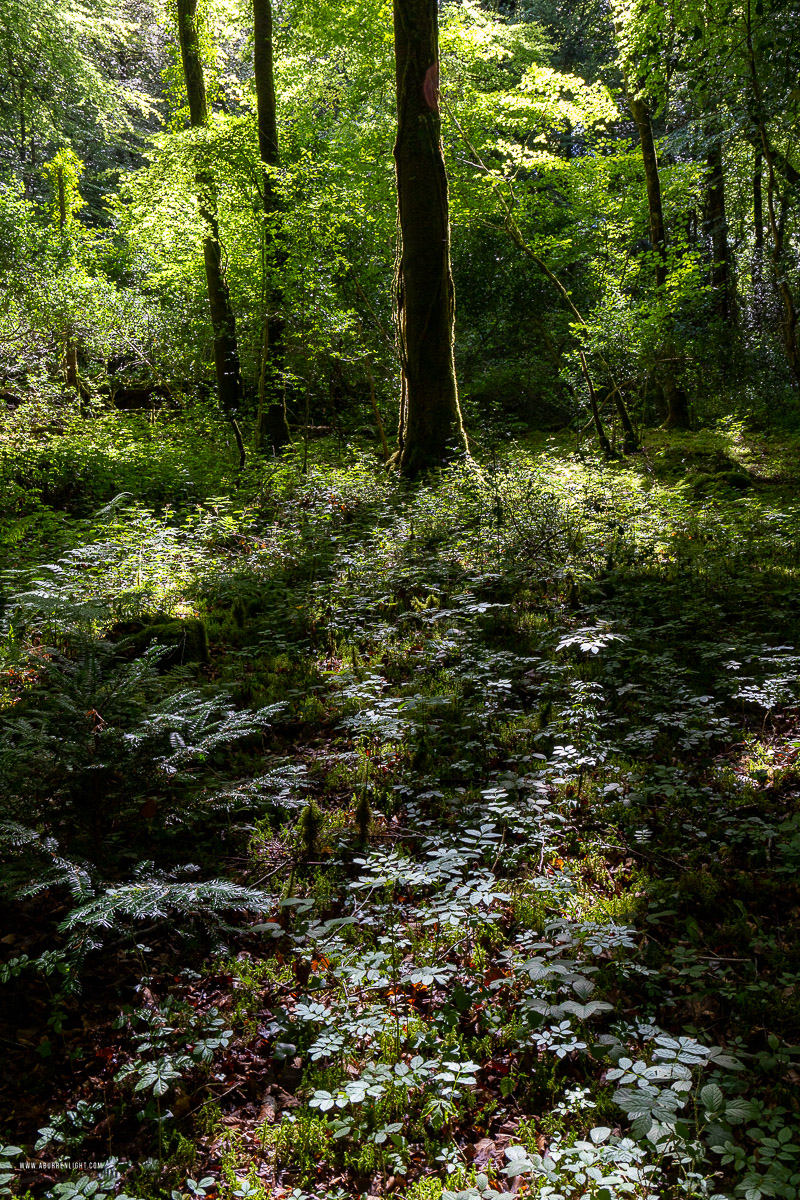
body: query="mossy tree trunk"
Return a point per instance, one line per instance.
(716, 229)
(652, 179)
(777, 207)
(226, 350)
(272, 430)
(70, 345)
(758, 199)
(676, 399)
(431, 428)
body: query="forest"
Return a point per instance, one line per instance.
(399, 599)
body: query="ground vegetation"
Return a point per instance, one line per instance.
(399, 551)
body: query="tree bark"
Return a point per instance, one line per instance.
(758, 201)
(71, 373)
(776, 224)
(264, 70)
(655, 208)
(676, 399)
(717, 231)
(431, 427)
(223, 323)
(272, 429)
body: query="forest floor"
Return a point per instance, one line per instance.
(445, 839)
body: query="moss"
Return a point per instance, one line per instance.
(363, 817)
(310, 827)
(738, 479)
(185, 639)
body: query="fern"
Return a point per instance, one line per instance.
(157, 899)
(85, 748)
(279, 787)
(56, 871)
(89, 747)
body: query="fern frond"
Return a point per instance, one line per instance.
(58, 871)
(280, 787)
(157, 900)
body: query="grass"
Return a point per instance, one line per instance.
(520, 814)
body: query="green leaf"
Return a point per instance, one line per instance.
(728, 1061)
(739, 1110)
(599, 1134)
(712, 1098)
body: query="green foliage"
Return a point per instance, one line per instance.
(480, 960)
(446, 835)
(309, 828)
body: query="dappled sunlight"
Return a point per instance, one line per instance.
(399, 600)
(521, 784)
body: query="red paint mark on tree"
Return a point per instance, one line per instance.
(430, 87)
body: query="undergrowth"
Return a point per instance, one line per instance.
(366, 838)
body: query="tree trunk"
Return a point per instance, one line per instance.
(263, 67)
(674, 395)
(22, 130)
(777, 227)
(431, 427)
(272, 430)
(776, 224)
(655, 208)
(717, 231)
(226, 350)
(71, 374)
(758, 201)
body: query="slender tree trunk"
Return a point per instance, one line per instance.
(264, 70)
(757, 266)
(674, 395)
(602, 437)
(777, 227)
(758, 201)
(431, 427)
(776, 224)
(272, 429)
(71, 363)
(655, 208)
(70, 345)
(717, 230)
(226, 350)
(23, 135)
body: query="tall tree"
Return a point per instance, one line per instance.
(674, 395)
(272, 429)
(778, 200)
(64, 171)
(226, 350)
(716, 228)
(758, 201)
(430, 416)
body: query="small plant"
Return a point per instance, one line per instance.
(309, 827)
